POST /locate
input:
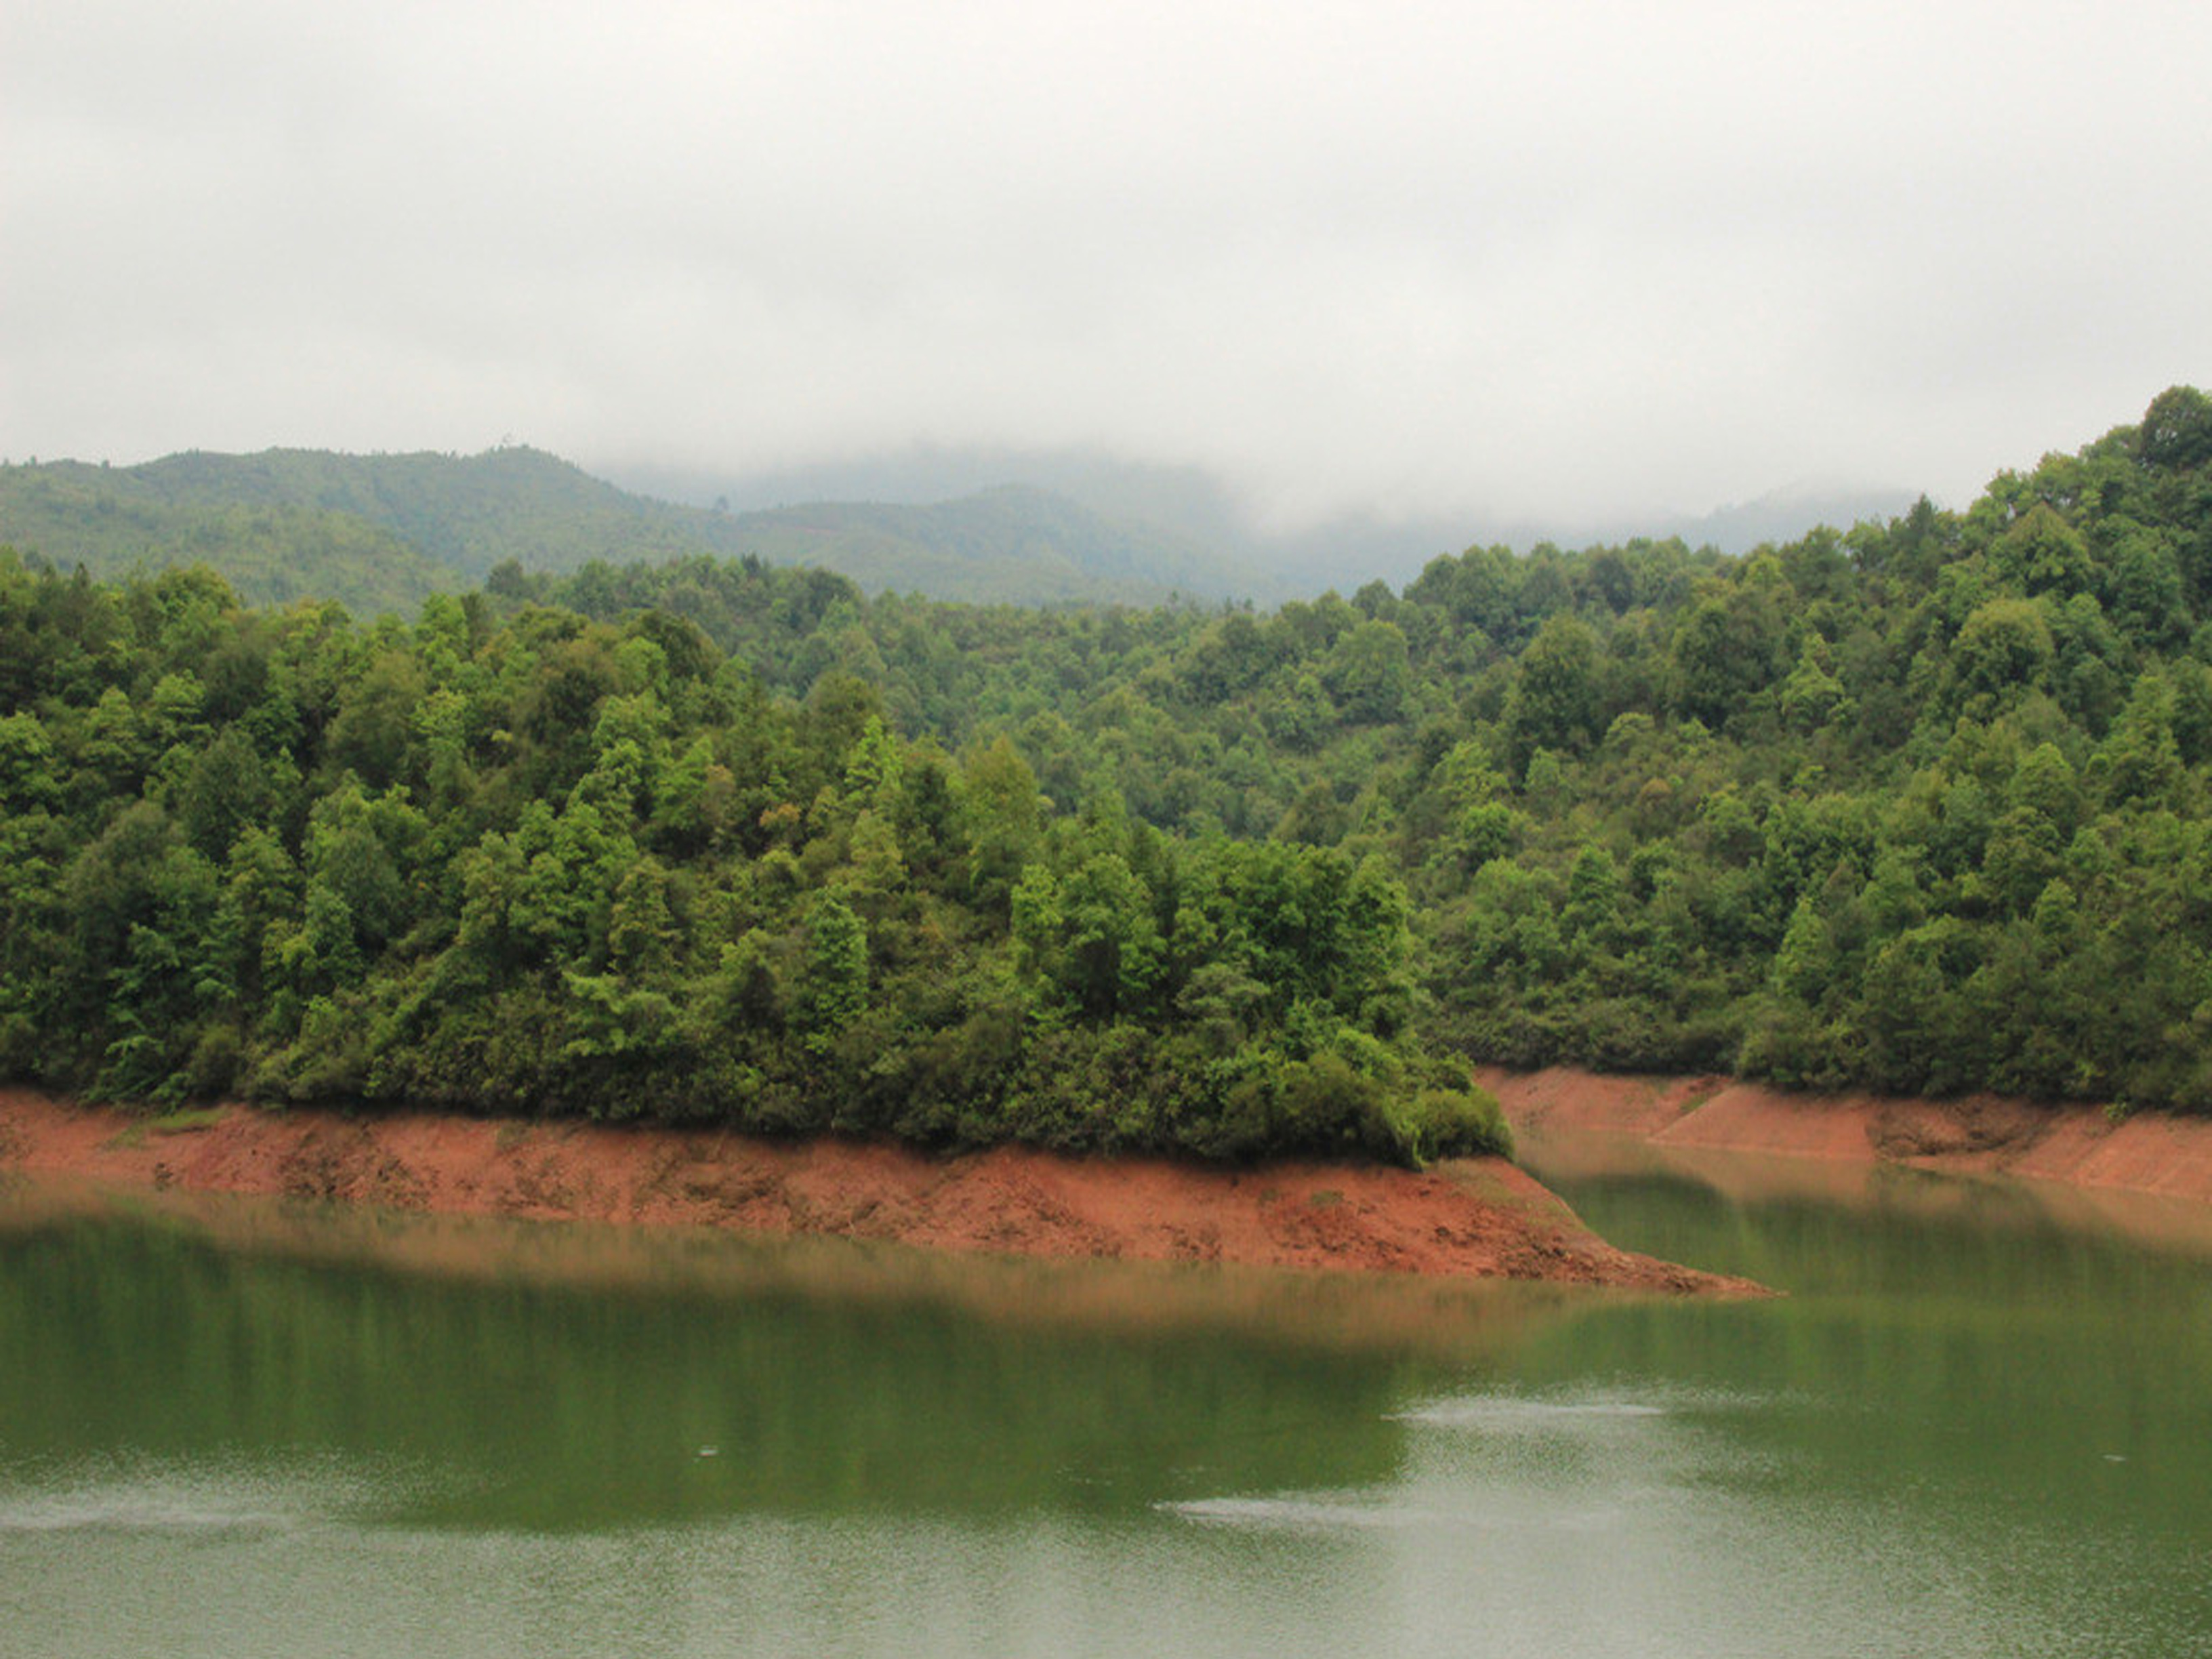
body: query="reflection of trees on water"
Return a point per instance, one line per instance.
(1933, 1331)
(577, 1377)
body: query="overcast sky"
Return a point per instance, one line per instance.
(1547, 261)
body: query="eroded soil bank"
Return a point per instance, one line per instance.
(1470, 1218)
(2080, 1146)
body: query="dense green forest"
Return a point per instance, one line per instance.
(1921, 805)
(529, 861)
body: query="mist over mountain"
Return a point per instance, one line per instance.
(1203, 511)
(379, 532)
(1784, 515)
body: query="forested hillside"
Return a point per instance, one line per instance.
(379, 532)
(1010, 544)
(535, 863)
(1922, 805)
(114, 521)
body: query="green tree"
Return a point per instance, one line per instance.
(833, 988)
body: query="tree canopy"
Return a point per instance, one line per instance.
(1921, 805)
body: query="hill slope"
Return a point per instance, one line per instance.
(1011, 543)
(273, 551)
(379, 531)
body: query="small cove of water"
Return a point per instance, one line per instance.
(1967, 1428)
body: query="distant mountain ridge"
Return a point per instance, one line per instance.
(379, 532)
(1784, 515)
(1189, 505)
(1012, 541)
(467, 512)
(111, 521)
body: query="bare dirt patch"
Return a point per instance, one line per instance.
(2081, 1147)
(1464, 1218)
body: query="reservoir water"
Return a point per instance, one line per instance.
(1975, 1424)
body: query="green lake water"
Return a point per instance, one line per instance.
(240, 1430)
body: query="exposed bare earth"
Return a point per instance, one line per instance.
(2080, 1146)
(1474, 1218)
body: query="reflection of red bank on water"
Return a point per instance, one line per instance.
(1471, 1218)
(2148, 1175)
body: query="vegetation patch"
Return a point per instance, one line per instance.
(186, 1119)
(1923, 806)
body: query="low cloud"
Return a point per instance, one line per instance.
(1521, 263)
